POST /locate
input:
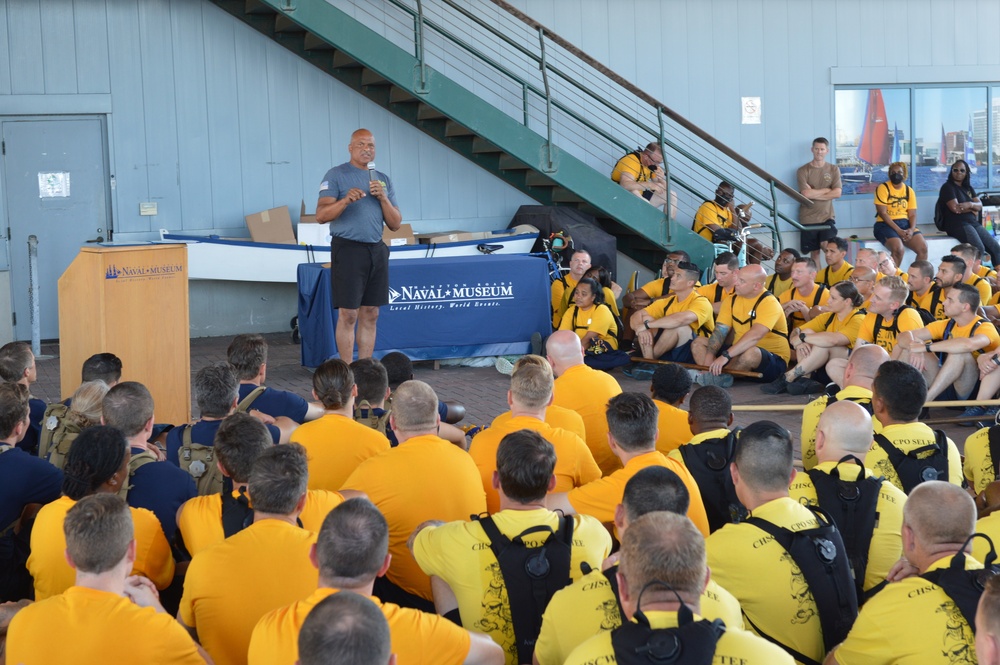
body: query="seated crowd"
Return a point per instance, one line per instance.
(584, 525)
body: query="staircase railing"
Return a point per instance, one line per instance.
(579, 105)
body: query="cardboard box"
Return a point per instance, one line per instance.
(441, 237)
(304, 218)
(272, 226)
(404, 236)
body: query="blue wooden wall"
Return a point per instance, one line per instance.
(213, 121)
(701, 56)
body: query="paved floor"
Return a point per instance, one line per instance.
(483, 391)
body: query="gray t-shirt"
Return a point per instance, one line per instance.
(362, 220)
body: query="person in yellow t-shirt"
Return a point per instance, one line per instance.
(837, 268)
(898, 396)
(590, 317)
(988, 624)
(726, 267)
(555, 416)
(97, 463)
(886, 267)
(584, 390)
(710, 418)
(886, 318)
(961, 338)
(611, 289)
(913, 621)
(632, 420)
(843, 436)
(465, 573)
(781, 280)
(973, 262)
(665, 548)
(424, 477)
(722, 213)
(345, 628)
(864, 280)
(801, 303)
(669, 387)
(335, 442)
(925, 292)
(774, 595)
(665, 329)
(225, 592)
(640, 172)
(858, 376)
(240, 441)
(351, 550)
(529, 395)
(831, 334)
(579, 264)
(896, 216)
(657, 288)
(760, 334)
(590, 605)
(978, 464)
(106, 608)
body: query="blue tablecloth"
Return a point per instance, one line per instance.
(438, 308)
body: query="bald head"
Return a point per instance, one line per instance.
(867, 257)
(846, 430)
(564, 350)
(939, 513)
(863, 365)
(750, 281)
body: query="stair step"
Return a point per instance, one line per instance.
(536, 179)
(315, 43)
(369, 77)
(257, 7)
(563, 195)
(398, 95)
(284, 24)
(341, 59)
(452, 129)
(426, 112)
(482, 146)
(508, 163)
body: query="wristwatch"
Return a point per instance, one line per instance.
(725, 354)
(927, 346)
(802, 336)
(646, 323)
(995, 359)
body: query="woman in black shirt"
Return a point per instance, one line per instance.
(960, 206)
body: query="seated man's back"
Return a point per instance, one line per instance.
(230, 586)
(556, 416)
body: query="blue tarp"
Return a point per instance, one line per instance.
(439, 308)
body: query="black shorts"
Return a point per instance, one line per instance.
(810, 241)
(359, 274)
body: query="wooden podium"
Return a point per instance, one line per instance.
(131, 301)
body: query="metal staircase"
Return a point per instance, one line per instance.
(515, 110)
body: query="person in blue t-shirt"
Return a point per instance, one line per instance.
(17, 365)
(248, 356)
(156, 486)
(24, 480)
(217, 395)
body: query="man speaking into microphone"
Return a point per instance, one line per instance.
(357, 200)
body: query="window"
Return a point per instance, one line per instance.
(928, 128)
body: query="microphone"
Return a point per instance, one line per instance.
(371, 172)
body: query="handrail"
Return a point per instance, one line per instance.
(701, 164)
(673, 115)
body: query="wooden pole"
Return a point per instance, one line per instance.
(704, 368)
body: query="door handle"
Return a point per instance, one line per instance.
(97, 239)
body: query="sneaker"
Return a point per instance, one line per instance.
(640, 371)
(975, 414)
(804, 386)
(504, 366)
(776, 387)
(536, 343)
(709, 379)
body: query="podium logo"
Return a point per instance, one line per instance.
(448, 296)
(142, 272)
